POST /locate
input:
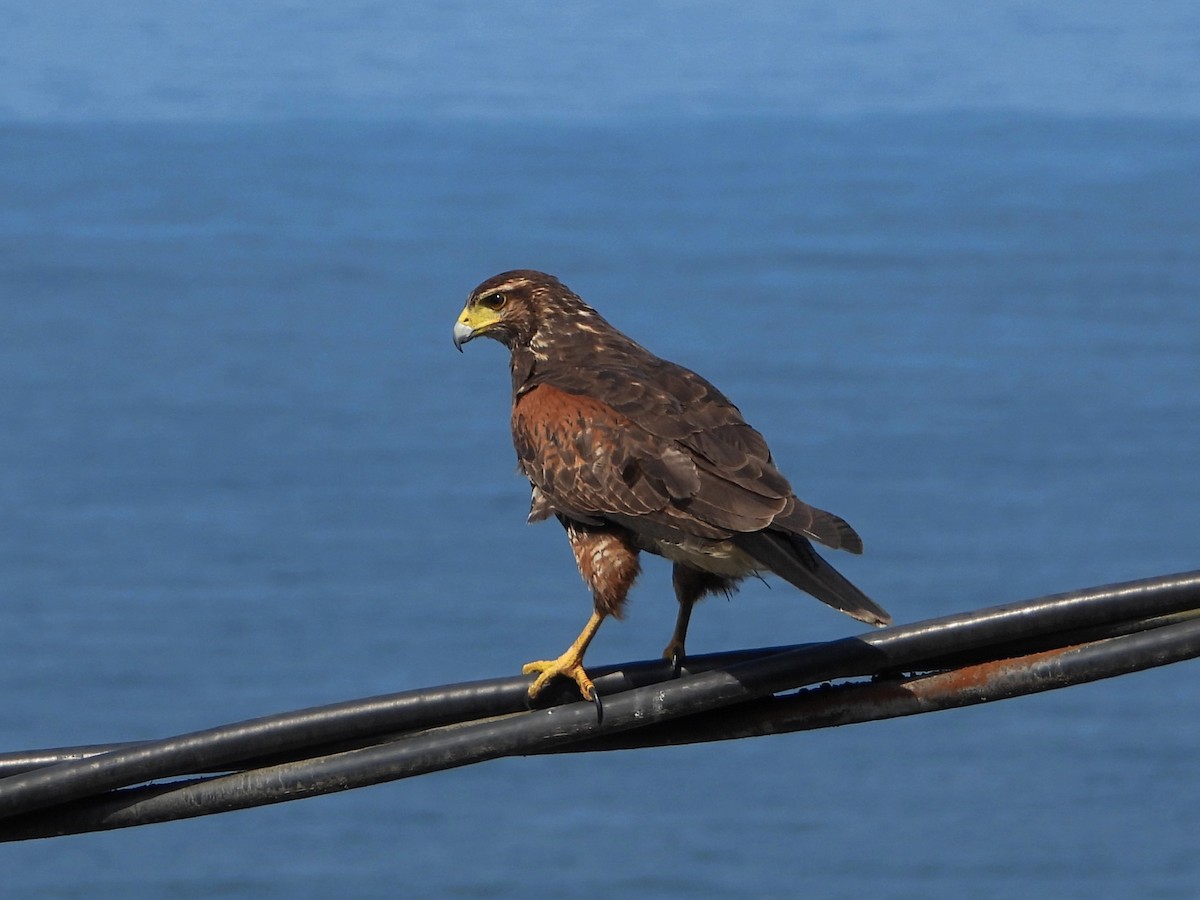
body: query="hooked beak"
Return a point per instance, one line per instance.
(462, 333)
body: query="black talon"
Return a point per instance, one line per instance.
(676, 664)
(599, 706)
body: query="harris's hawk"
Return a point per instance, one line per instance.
(631, 452)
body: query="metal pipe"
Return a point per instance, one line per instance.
(479, 721)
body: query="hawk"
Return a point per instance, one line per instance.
(630, 453)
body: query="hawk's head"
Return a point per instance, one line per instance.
(515, 306)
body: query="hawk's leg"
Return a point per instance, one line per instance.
(569, 664)
(675, 648)
(690, 585)
(608, 562)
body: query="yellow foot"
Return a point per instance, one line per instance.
(568, 665)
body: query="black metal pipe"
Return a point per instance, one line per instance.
(72, 772)
(866, 701)
(889, 650)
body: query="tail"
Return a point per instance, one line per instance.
(793, 558)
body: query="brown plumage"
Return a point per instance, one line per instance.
(631, 452)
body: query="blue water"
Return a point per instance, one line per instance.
(140, 60)
(242, 469)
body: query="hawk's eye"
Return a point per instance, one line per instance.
(493, 301)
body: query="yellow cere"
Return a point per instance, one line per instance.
(478, 317)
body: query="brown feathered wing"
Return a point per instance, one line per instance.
(618, 434)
